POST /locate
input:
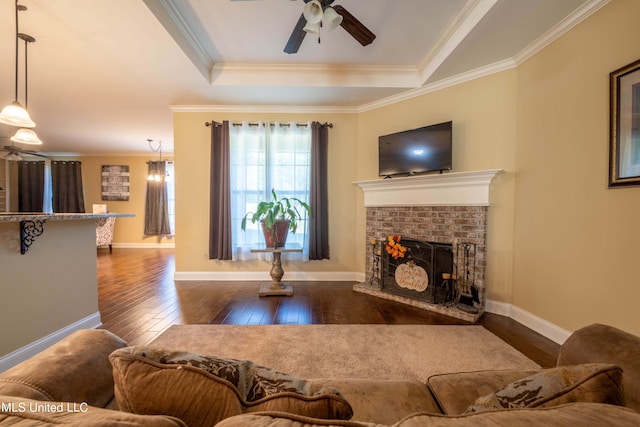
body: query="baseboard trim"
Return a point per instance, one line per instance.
(298, 276)
(20, 355)
(531, 321)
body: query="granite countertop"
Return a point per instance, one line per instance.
(36, 216)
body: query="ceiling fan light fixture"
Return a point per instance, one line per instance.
(331, 19)
(26, 136)
(312, 28)
(13, 157)
(312, 12)
(15, 114)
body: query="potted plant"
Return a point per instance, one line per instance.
(277, 217)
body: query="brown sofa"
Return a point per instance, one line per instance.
(73, 383)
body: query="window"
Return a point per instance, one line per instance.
(264, 157)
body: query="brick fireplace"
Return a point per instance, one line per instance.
(449, 209)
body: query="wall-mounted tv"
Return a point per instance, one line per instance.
(421, 150)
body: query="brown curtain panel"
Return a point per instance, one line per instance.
(156, 210)
(30, 186)
(318, 194)
(220, 201)
(66, 183)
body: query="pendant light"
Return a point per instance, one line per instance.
(155, 175)
(15, 114)
(24, 135)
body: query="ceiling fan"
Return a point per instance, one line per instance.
(315, 9)
(17, 153)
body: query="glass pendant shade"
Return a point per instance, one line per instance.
(26, 136)
(312, 28)
(312, 12)
(331, 19)
(14, 114)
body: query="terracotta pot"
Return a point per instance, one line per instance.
(277, 236)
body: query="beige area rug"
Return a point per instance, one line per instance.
(403, 352)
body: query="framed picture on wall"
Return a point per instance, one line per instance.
(624, 126)
(115, 182)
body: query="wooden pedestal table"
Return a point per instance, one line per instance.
(276, 287)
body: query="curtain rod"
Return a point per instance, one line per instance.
(213, 123)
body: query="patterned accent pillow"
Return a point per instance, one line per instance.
(202, 390)
(589, 382)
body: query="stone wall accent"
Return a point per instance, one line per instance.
(442, 224)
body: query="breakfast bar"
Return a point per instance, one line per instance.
(49, 279)
(32, 224)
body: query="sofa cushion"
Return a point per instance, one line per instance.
(382, 401)
(573, 414)
(76, 369)
(590, 382)
(202, 390)
(456, 391)
(18, 411)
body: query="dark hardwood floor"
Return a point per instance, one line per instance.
(138, 300)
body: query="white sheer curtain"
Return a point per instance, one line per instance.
(263, 157)
(47, 200)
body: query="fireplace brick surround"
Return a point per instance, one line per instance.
(449, 208)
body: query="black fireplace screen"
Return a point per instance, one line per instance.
(419, 274)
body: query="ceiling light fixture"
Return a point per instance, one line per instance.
(24, 135)
(15, 157)
(154, 175)
(318, 14)
(15, 114)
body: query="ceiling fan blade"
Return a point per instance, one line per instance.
(17, 150)
(354, 27)
(297, 35)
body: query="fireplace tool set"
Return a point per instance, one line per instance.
(462, 288)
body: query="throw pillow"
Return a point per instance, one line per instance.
(202, 390)
(589, 382)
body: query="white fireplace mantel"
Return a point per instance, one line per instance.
(447, 189)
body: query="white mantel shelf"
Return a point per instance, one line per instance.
(447, 189)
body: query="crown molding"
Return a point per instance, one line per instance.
(439, 85)
(409, 94)
(579, 15)
(245, 74)
(291, 109)
(460, 26)
(180, 30)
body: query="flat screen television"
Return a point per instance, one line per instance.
(426, 149)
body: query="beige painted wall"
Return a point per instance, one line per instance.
(52, 286)
(576, 242)
(192, 151)
(484, 131)
(128, 231)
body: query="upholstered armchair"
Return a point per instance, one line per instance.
(104, 232)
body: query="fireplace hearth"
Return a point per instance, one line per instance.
(446, 217)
